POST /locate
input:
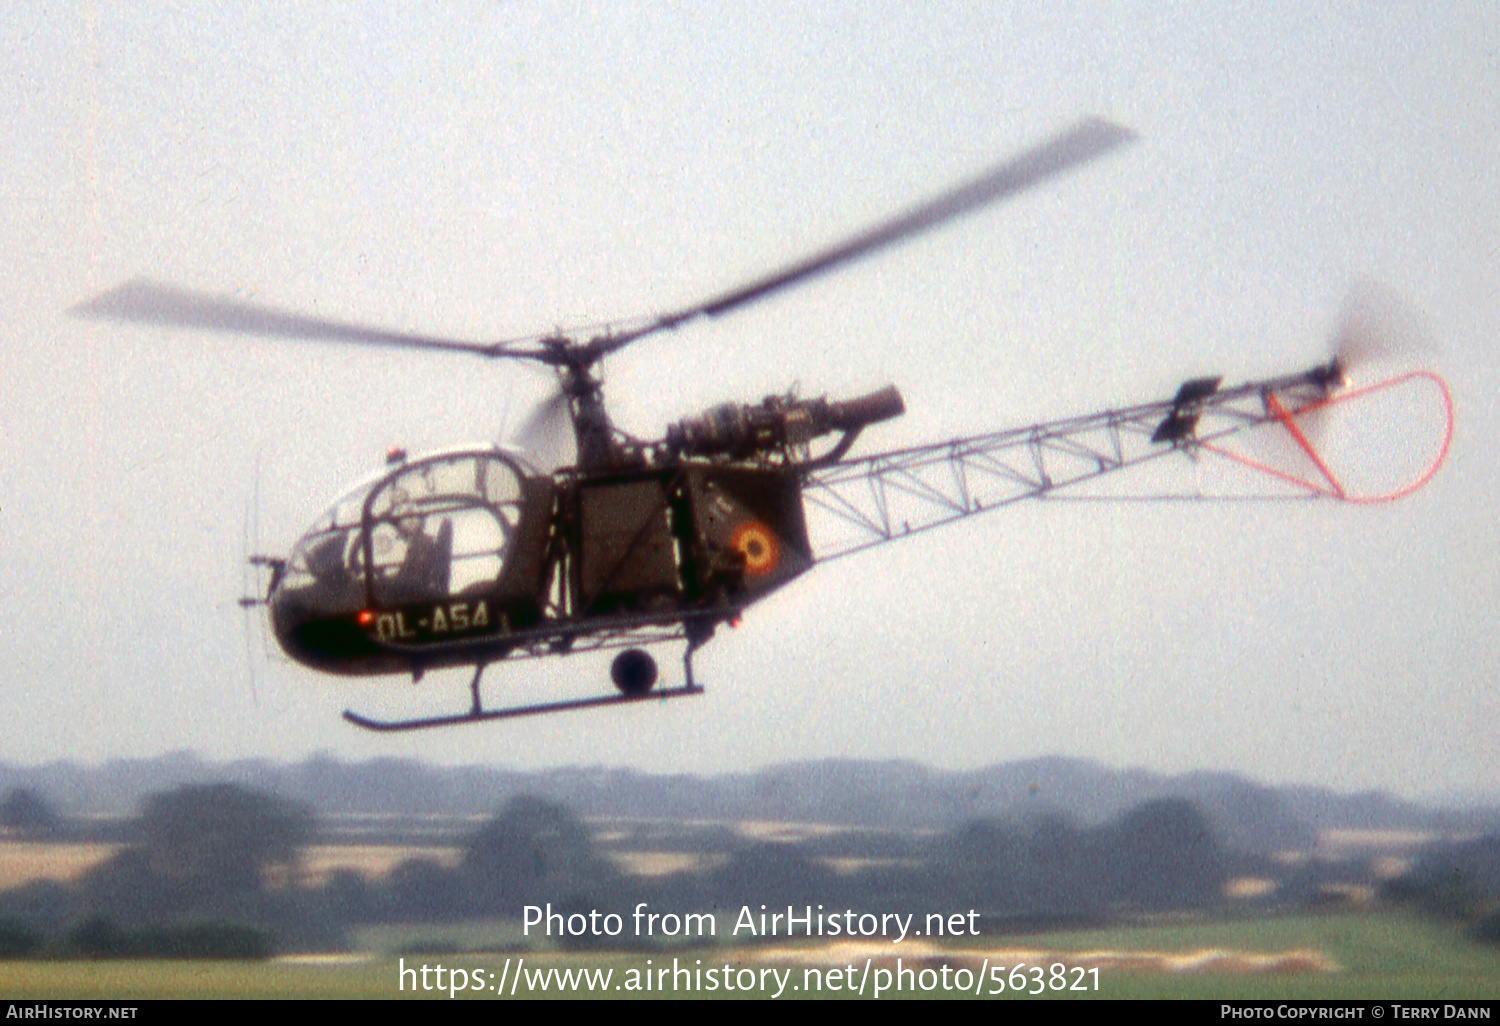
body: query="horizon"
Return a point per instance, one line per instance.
(1476, 802)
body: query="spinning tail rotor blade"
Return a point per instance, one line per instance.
(1377, 326)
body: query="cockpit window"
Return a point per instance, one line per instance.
(434, 529)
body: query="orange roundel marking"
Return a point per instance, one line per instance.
(757, 544)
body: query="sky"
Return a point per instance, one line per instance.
(489, 170)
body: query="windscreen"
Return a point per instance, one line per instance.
(433, 529)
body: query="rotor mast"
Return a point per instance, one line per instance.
(594, 432)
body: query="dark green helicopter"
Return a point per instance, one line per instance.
(472, 556)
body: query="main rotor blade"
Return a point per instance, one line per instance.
(1084, 142)
(141, 301)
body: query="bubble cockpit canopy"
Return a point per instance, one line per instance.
(436, 528)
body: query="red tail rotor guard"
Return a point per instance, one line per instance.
(1331, 486)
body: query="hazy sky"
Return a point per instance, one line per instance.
(486, 170)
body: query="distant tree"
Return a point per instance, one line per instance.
(124, 887)
(1064, 869)
(981, 864)
(1449, 892)
(423, 890)
(1250, 818)
(769, 873)
(1486, 929)
(201, 850)
(1039, 869)
(1163, 854)
(534, 852)
(27, 812)
(1454, 881)
(100, 936)
(223, 839)
(18, 939)
(350, 897)
(44, 905)
(209, 939)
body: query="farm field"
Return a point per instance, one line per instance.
(643, 850)
(25, 862)
(1371, 954)
(638, 848)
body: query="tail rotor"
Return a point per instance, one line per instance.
(1376, 326)
(1371, 435)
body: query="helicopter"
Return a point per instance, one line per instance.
(471, 556)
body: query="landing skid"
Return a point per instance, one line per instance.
(477, 713)
(519, 710)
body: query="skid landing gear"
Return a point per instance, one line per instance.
(633, 671)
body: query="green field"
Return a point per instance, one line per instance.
(1378, 955)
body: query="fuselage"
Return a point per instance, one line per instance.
(468, 555)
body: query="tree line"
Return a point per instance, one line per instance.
(219, 870)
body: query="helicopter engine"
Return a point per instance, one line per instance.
(778, 422)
